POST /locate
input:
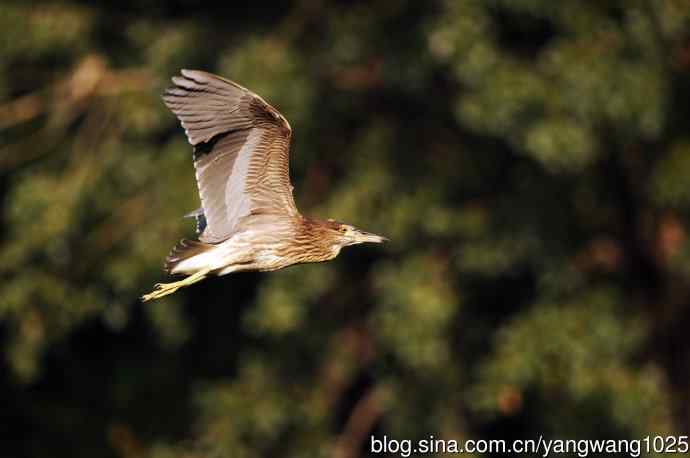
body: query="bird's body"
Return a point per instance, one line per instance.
(255, 249)
(248, 220)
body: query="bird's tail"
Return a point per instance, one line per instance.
(182, 251)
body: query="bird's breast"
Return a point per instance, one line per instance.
(268, 257)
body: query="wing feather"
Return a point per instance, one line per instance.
(241, 151)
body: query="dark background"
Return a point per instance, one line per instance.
(528, 159)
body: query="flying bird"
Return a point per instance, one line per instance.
(248, 220)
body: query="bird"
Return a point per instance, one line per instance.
(248, 220)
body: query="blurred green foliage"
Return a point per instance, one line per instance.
(529, 159)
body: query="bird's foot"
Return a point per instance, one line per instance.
(160, 290)
(163, 289)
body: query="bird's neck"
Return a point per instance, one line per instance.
(313, 239)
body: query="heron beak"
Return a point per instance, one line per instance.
(367, 237)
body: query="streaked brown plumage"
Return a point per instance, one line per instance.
(248, 219)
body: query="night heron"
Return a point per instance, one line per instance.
(248, 219)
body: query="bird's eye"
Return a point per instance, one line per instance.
(343, 229)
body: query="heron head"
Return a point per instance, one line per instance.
(350, 235)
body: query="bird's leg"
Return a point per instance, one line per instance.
(163, 289)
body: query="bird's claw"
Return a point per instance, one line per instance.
(163, 289)
(159, 290)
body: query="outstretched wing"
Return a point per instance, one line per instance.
(241, 146)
